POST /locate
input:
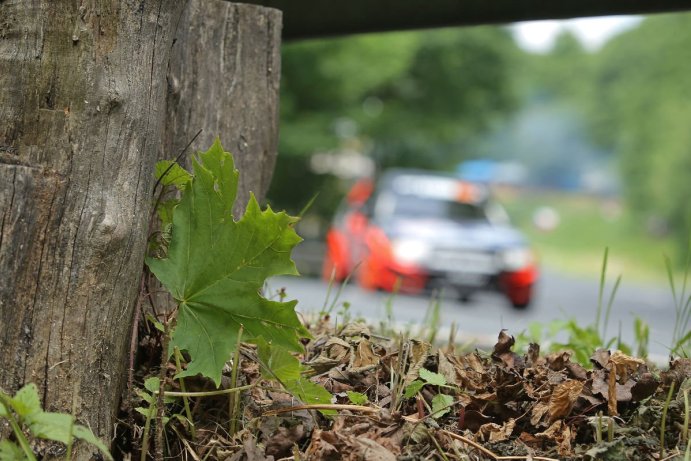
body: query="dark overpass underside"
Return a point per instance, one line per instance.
(320, 18)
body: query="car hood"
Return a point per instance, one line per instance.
(475, 235)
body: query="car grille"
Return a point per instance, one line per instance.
(469, 262)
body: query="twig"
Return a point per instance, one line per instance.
(469, 442)
(204, 393)
(190, 450)
(360, 408)
(488, 452)
(185, 399)
(436, 444)
(234, 398)
(671, 456)
(184, 149)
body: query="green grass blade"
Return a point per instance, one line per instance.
(610, 303)
(603, 273)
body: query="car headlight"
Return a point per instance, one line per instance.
(410, 251)
(516, 258)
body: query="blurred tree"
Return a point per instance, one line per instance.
(548, 134)
(639, 109)
(563, 75)
(458, 82)
(406, 99)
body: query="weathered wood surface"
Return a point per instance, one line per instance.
(82, 114)
(82, 85)
(224, 79)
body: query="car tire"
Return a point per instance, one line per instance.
(520, 299)
(520, 305)
(465, 297)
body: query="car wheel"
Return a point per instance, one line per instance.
(520, 305)
(520, 299)
(465, 296)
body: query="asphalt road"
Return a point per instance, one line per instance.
(559, 297)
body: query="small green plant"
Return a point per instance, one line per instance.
(584, 340)
(215, 268)
(641, 332)
(23, 412)
(681, 336)
(148, 396)
(441, 403)
(433, 317)
(356, 398)
(603, 275)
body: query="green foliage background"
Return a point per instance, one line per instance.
(431, 99)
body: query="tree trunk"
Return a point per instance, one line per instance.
(82, 85)
(82, 97)
(224, 79)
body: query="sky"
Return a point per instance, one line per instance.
(538, 36)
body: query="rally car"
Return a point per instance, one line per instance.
(416, 231)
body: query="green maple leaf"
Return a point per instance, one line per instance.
(216, 267)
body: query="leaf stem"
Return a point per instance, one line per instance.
(234, 398)
(663, 421)
(334, 406)
(205, 393)
(4, 400)
(147, 432)
(185, 399)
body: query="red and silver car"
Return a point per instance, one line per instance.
(417, 231)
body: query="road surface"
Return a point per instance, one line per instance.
(559, 297)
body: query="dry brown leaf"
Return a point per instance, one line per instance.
(363, 357)
(557, 360)
(418, 351)
(369, 450)
(679, 371)
(622, 392)
(625, 365)
(600, 358)
(563, 398)
(470, 371)
(337, 349)
(533, 355)
(502, 351)
(320, 447)
(645, 386)
(493, 432)
(280, 443)
(539, 410)
(560, 433)
(446, 369)
(355, 329)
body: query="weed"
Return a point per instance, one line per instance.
(681, 336)
(663, 420)
(433, 317)
(23, 412)
(214, 267)
(603, 274)
(583, 340)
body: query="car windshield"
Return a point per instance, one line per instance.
(412, 206)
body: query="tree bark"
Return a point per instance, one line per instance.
(224, 79)
(82, 97)
(82, 85)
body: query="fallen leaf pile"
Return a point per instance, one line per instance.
(405, 400)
